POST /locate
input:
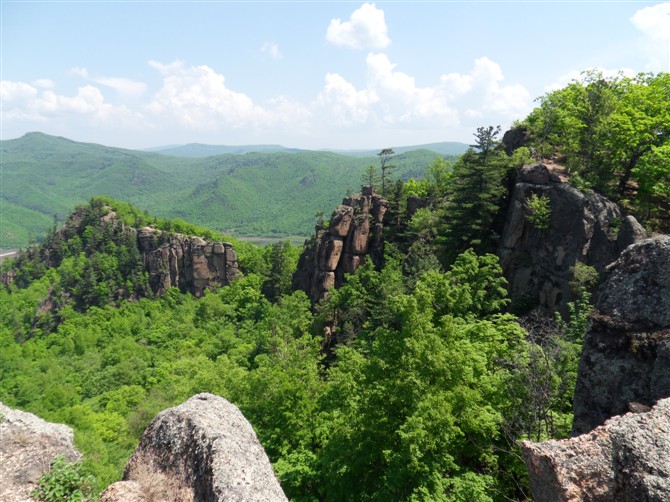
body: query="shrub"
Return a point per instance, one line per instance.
(539, 211)
(65, 482)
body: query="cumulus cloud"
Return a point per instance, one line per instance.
(365, 29)
(198, 97)
(272, 50)
(392, 97)
(40, 103)
(654, 23)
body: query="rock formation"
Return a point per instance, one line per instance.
(354, 232)
(188, 263)
(626, 354)
(584, 227)
(625, 460)
(623, 368)
(201, 450)
(28, 445)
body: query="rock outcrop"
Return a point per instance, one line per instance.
(187, 263)
(28, 445)
(355, 232)
(201, 450)
(583, 227)
(625, 359)
(625, 460)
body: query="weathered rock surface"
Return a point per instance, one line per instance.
(354, 233)
(187, 263)
(625, 460)
(583, 227)
(28, 445)
(204, 450)
(626, 354)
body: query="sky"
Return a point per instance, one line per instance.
(305, 74)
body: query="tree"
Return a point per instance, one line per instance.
(476, 195)
(385, 167)
(614, 132)
(282, 259)
(371, 177)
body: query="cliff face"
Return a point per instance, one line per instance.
(583, 227)
(626, 353)
(354, 233)
(187, 263)
(203, 449)
(28, 445)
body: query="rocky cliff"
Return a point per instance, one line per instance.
(582, 227)
(626, 354)
(201, 450)
(625, 460)
(28, 445)
(355, 231)
(624, 368)
(171, 259)
(187, 263)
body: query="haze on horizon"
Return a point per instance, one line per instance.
(305, 75)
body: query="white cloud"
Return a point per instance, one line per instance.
(44, 83)
(40, 103)
(76, 70)
(654, 23)
(197, 97)
(272, 50)
(366, 29)
(392, 97)
(123, 86)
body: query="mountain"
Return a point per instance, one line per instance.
(254, 194)
(197, 150)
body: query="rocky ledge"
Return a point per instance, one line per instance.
(625, 460)
(28, 445)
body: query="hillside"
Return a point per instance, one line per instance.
(258, 194)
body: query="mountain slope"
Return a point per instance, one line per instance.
(260, 194)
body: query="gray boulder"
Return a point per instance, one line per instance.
(201, 450)
(625, 358)
(28, 445)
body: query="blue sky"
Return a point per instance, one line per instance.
(305, 74)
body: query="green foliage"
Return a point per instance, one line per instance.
(614, 133)
(477, 193)
(538, 211)
(65, 482)
(584, 278)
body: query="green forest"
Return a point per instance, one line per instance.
(435, 377)
(45, 177)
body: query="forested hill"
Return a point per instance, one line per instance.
(259, 194)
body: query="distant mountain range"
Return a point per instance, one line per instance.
(201, 150)
(255, 193)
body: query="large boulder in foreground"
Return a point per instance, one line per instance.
(201, 450)
(625, 460)
(625, 361)
(28, 445)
